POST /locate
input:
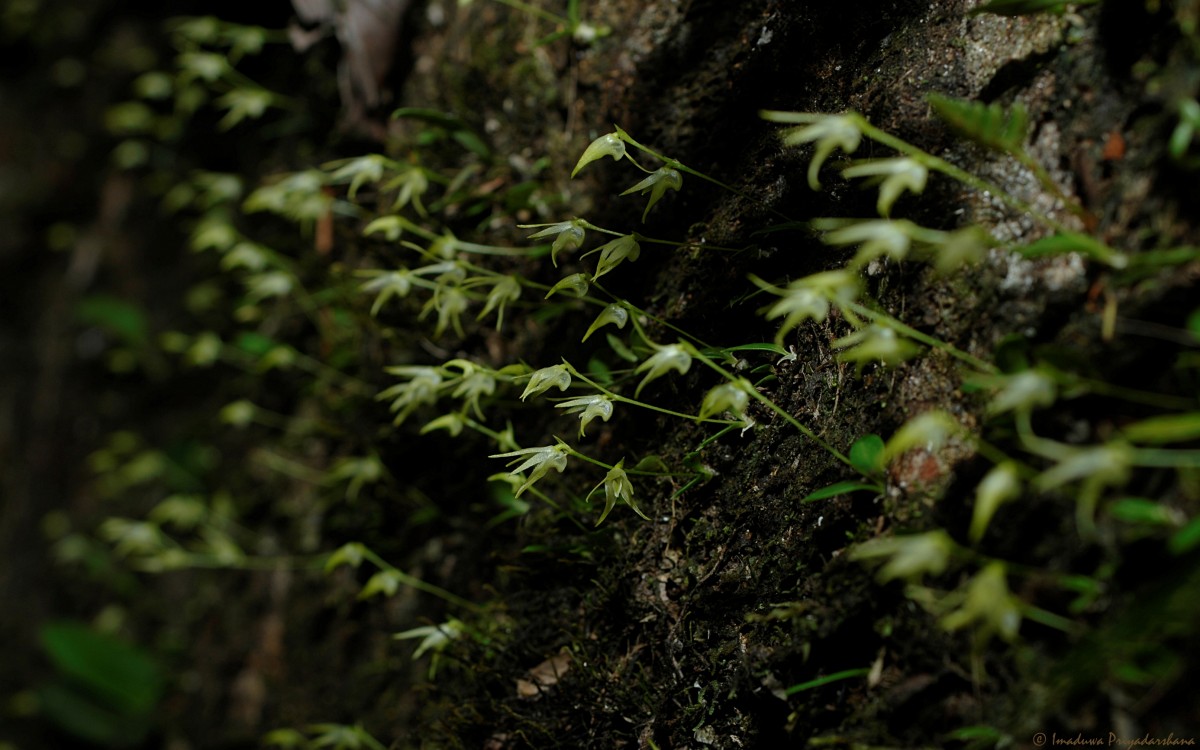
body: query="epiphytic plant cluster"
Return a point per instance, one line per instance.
(420, 273)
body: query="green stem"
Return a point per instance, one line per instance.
(589, 225)
(538, 12)
(634, 402)
(528, 283)
(1163, 458)
(476, 248)
(674, 164)
(997, 457)
(584, 457)
(257, 562)
(1136, 396)
(847, 674)
(887, 320)
(697, 245)
(233, 355)
(1048, 182)
(467, 247)
(948, 169)
(1049, 619)
(636, 311)
(417, 229)
(778, 410)
(714, 437)
(315, 366)
(1040, 446)
(291, 468)
(503, 440)
(571, 451)
(418, 584)
(643, 238)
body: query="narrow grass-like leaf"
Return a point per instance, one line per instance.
(1169, 428)
(1070, 242)
(982, 734)
(124, 677)
(1028, 7)
(847, 674)
(989, 125)
(1140, 510)
(651, 464)
(1186, 539)
(622, 351)
(841, 488)
(762, 347)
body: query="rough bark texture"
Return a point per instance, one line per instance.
(684, 631)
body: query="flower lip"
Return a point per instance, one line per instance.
(588, 408)
(540, 460)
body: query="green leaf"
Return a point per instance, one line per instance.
(841, 488)
(1011, 356)
(847, 674)
(255, 343)
(184, 512)
(512, 506)
(83, 717)
(1139, 510)
(472, 143)
(987, 736)
(623, 351)
(1181, 139)
(761, 347)
(431, 116)
(1027, 7)
(866, 454)
(989, 125)
(1170, 428)
(1070, 242)
(129, 118)
(1087, 588)
(342, 737)
(1186, 539)
(284, 738)
(652, 464)
(121, 676)
(1148, 261)
(117, 316)
(599, 371)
